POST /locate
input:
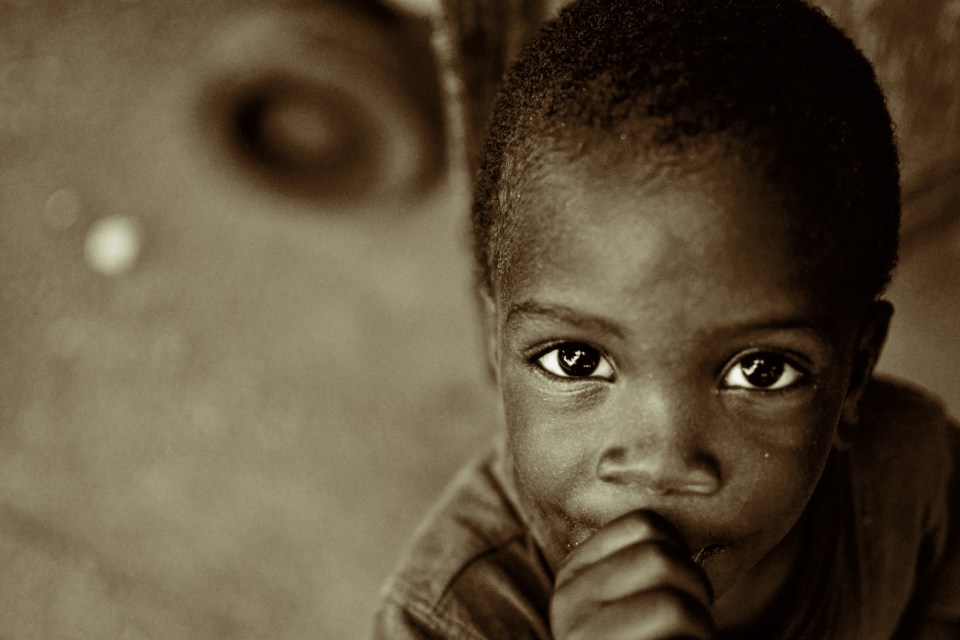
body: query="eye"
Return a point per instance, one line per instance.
(762, 370)
(575, 360)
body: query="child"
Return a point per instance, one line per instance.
(686, 215)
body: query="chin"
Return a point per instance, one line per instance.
(723, 567)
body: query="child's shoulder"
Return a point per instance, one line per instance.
(886, 516)
(471, 558)
(886, 394)
(903, 455)
(899, 421)
(904, 462)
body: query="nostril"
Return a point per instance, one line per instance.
(612, 464)
(659, 472)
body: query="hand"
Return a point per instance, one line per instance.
(632, 580)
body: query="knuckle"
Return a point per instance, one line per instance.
(641, 519)
(657, 558)
(671, 608)
(644, 524)
(660, 558)
(565, 622)
(560, 591)
(638, 525)
(678, 612)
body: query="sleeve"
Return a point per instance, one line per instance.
(395, 621)
(500, 595)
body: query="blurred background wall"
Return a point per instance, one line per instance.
(238, 350)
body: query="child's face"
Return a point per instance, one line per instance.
(663, 346)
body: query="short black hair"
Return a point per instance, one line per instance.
(771, 75)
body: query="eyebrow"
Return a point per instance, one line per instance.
(564, 314)
(584, 321)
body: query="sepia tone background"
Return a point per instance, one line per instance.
(238, 357)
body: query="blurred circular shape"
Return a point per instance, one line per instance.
(299, 131)
(341, 106)
(306, 141)
(113, 245)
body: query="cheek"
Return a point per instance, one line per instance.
(778, 458)
(773, 494)
(546, 441)
(552, 435)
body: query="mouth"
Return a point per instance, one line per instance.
(703, 552)
(701, 557)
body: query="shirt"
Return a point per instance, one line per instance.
(883, 542)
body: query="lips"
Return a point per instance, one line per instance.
(706, 552)
(702, 543)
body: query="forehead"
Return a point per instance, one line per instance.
(716, 237)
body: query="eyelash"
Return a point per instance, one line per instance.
(550, 361)
(604, 365)
(790, 367)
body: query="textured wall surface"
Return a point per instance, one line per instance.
(915, 47)
(216, 356)
(235, 371)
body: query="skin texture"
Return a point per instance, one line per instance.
(665, 448)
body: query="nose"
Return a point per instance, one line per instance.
(659, 448)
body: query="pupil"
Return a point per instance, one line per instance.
(578, 359)
(762, 370)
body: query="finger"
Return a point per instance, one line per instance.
(646, 566)
(643, 566)
(634, 527)
(661, 615)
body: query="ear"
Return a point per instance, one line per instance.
(868, 348)
(490, 329)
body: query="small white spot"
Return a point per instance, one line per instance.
(766, 455)
(62, 209)
(113, 245)
(623, 136)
